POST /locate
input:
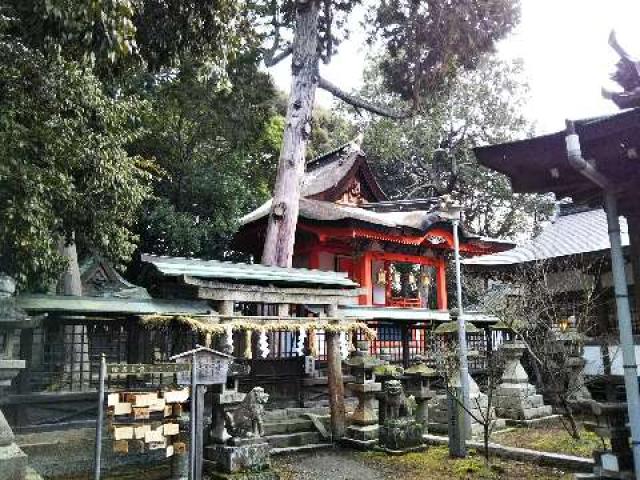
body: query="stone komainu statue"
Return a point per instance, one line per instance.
(395, 401)
(247, 420)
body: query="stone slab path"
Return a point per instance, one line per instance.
(328, 465)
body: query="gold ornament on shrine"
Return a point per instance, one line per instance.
(381, 277)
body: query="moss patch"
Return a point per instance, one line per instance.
(435, 463)
(550, 439)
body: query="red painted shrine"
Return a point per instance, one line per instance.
(397, 251)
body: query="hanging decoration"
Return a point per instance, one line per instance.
(344, 347)
(313, 343)
(425, 280)
(205, 325)
(412, 280)
(381, 277)
(350, 342)
(228, 343)
(263, 343)
(248, 344)
(302, 335)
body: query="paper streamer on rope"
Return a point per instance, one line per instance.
(313, 347)
(302, 335)
(229, 338)
(248, 337)
(344, 347)
(263, 343)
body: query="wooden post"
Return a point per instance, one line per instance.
(441, 285)
(404, 337)
(365, 279)
(336, 382)
(199, 437)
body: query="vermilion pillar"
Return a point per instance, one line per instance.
(364, 269)
(314, 259)
(441, 285)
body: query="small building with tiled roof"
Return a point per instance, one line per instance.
(346, 223)
(575, 231)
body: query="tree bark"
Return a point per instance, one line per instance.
(281, 230)
(76, 365)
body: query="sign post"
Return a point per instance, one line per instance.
(208, 367)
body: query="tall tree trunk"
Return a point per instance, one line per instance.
(281, 230)
(76, 367)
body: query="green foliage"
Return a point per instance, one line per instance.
(481, 106)
(427, 42)
(217, 149)
(64, 167)
(115, 35)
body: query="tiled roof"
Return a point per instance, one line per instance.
(569, 234)
(245, 273)
(328, 211)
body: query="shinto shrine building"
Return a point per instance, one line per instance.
(397, 251)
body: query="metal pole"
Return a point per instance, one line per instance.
(624, 326)
(192, 446)
(100, 420)
(462, 334)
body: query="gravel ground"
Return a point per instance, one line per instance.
(327, 465)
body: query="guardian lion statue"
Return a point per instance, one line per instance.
(395, 405)
(246, 421)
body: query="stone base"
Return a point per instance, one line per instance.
(519, 401)
(388, 451)
(252, 457)
(361, 437)
(13, 463)
(363, 433)
(358, 444)
(439, 414)
(549, 420)
(401, 435)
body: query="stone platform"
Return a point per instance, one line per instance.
(515, 398)
(439, 410)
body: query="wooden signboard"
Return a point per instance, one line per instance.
(211, 366)
(146, 368)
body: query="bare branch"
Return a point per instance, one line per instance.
(272, 58)
(360, 102)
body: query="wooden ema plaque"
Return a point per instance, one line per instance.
(146, 421)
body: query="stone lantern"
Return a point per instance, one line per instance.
(439, 415)
(13, 461)
(418, 379)
(569, 339)
(363, 431)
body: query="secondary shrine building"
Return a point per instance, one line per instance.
(396, 250)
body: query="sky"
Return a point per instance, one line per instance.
(564, 46)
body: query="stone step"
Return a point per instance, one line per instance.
(292, 425)
(294, 412)
(302, 448)
(294, 439)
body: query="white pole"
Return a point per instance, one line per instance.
(100, 419)
(624, 326)
(462, 335)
